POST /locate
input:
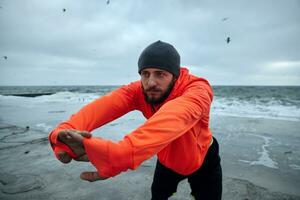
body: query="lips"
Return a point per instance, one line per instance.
(153, 92)
(153, 89)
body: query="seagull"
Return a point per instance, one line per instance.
(5, 57)
(224, 19)
(228, 40)
(64, 10)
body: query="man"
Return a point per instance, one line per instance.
(176, 105)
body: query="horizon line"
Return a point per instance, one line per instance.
(229, 85)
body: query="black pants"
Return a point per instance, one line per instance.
(205, 183)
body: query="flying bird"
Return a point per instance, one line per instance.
(228, 40)
(224, 19)
(64, 10)
(107, 2)
(5, 57)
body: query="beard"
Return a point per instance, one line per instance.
(156, 101)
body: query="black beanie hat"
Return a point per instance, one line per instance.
(160, 55)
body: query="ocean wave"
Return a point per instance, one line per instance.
(271, 108)
(68, 97)
(59, 97)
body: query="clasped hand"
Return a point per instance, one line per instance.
(74, 140)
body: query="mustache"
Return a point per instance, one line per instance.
(153, 89)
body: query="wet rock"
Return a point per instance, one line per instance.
(14, 184)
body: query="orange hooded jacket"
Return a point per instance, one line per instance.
(177, 130)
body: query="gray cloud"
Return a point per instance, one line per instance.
(95, 43)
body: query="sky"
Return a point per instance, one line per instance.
(98, 42)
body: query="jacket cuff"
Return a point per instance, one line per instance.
(108, 157)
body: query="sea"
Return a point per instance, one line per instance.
(45, 106)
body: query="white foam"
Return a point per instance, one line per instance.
(264, 158)
(44, 127)
(294, 166)
(58, 98)
(240, 108)
(220, 106)
(67, 97)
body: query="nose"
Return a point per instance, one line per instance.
(151, 81)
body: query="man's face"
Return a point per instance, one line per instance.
(157, 84)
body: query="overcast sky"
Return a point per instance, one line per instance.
(96, 42)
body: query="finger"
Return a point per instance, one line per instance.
(91, 176)
(83, 158)
(62, 135)
(64, 157)
(75, 137)
(85, 134)
(82, 133)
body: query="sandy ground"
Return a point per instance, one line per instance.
(260, 160)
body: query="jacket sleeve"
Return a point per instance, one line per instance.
(96, 114)
(171, 121)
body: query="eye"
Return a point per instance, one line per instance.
(160, 74)
(144, 74)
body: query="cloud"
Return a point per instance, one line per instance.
(100, 44)
(283, 65)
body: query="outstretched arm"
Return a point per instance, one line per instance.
(94, 115)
